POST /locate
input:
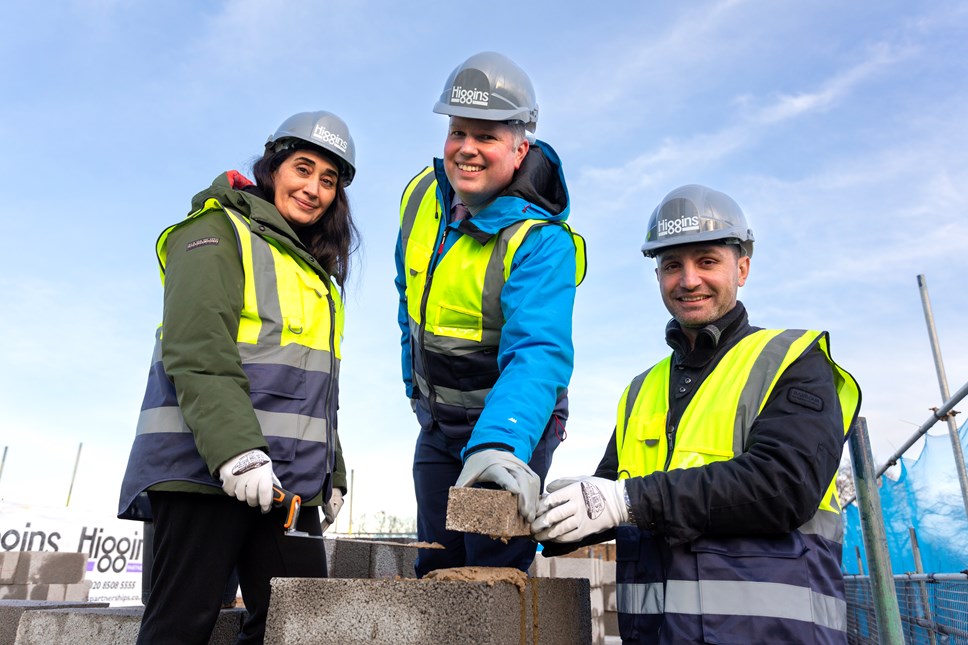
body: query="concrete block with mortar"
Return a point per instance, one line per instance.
(41, 567)
(485, 511)
(106, 626)
(404, 612)
(12, 610)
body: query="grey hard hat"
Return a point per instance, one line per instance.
(322, 129)
(492, 87)
(692, 214)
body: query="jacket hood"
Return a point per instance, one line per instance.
(537, 191)
(234, 190)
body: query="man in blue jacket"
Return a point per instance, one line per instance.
(486, 272)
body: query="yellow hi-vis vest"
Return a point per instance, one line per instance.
(290, 330)
(455, 307)
(717, 421)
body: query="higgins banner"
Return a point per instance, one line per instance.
(114, 547)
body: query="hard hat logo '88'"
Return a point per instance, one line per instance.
(470, 88)
(321, 133)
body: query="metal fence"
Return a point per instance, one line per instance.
(934, 608)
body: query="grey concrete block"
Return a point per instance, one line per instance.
(611, 600)
(610, 620)
(358, 558)
(74, 592)
(405, 612)
(348, 558)
(485, 511)
(608, 571)
(579, 568)
(389, 560)
(541, 567)
(12, 610)
(8, 566)
(41, 567)
(106, 626)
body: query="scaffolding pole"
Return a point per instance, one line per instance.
(943, 384)
(886, 609)
(939, 414)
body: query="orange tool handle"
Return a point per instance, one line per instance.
(289, 501)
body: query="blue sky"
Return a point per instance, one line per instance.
(840, 128)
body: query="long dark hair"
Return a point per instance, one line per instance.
(333, 238)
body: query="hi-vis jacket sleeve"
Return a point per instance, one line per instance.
(203, 301)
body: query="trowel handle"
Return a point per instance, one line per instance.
(290, 502)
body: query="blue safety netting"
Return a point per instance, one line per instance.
(926, 496)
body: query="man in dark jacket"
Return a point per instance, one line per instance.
(718, 482)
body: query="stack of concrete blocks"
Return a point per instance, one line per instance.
(43, 575)
(105, 626)
(601, 581)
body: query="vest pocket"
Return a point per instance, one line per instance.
(417, 261)
(276, 381)
(646, 452)
(458, 322)
(751, 587)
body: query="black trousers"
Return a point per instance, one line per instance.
(198, 540)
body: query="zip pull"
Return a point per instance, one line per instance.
(443, 238)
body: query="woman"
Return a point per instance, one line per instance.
(242, 391)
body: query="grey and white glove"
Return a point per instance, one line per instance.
(248, 477)
(579, 509)
(507, 471)
(331, 508)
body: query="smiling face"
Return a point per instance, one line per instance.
(480, 158)
(699, 283)
(305, 186)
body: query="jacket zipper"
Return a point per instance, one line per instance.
(670, 442)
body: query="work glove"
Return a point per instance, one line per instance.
(507, 471)
(579, 509)
(331, 508)
(248, 477)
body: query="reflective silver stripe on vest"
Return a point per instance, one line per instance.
(292, 355)
(770, 599)
(266, 293)
(413, 206)
(760, 379)
(825, 524)
(634, 388)
(457, 346)
(450, 396)
(640, 598)
(274, 424)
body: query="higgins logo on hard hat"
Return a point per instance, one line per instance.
(676, 226)
(458, 95)
(320, 132)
